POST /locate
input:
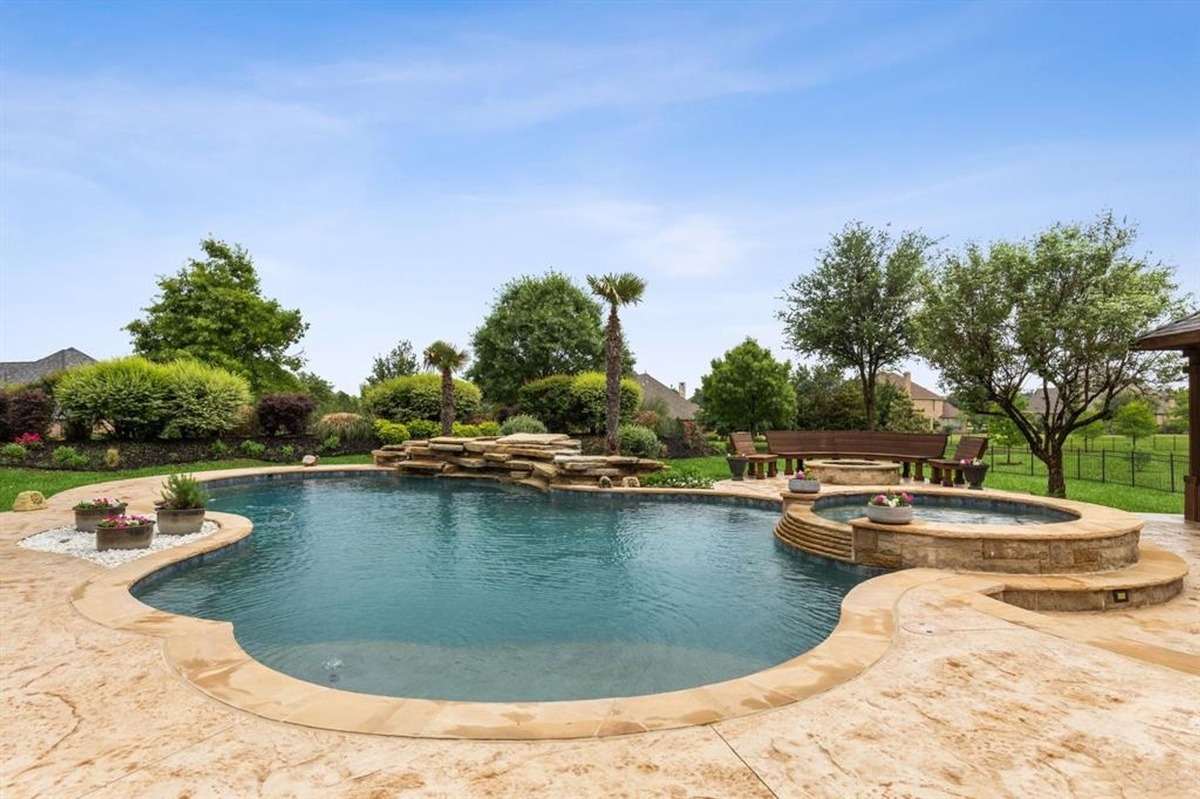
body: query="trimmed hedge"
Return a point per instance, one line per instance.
(411, 397)
(577, 404)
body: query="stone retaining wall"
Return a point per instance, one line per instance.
(540, 460)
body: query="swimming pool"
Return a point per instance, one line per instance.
(478, 591)
(960, 509)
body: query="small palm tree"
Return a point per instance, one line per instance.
(617, 290)
(449, 359)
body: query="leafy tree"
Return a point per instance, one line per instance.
(538, 326)
(854, 311)
(328, 399)
(748, 390)
(1059, 313)
(213, 310)
(617, 290)
(826, 400)
(1089, 433)
(1177, 412)
(1135, 419)
(402, 360)
(447, 359)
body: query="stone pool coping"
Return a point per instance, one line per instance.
(205, 654)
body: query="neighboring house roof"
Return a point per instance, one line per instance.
(19, 372)
(905, 382)
(679, 406)
(1182, 334)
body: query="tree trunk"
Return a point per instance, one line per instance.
(612, 388)
(1056, 485)
(447, 403)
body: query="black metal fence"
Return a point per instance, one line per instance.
(1154, 471)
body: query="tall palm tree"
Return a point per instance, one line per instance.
(449, 359)
(617, 290)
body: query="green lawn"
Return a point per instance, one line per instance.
(1136, 500)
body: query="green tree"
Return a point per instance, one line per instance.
(447, 359)
(213, 310)
(617, 290)
(402, 360)
(1134, 420)
(748, 389)
(1058, 313)
(897, 413)
(854, 311)
(538, 326)
(826, 400)
(1177, 411)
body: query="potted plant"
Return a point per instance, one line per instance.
(804, 482)
(124, 532)
(89, 511)
(891, 507)
(181, 509)
(973, 470)
(737, 466)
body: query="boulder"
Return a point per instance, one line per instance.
(311, 460)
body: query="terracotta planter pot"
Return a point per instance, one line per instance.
(138, 537)
(85, 520)
(180, 522)
(885, 514)
(804, 486)
(737, 467)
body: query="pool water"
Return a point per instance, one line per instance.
(964, 509)
(465, 590)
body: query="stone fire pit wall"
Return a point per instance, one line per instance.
(540, 460)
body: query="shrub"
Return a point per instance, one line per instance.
(348, 427)
(218, 449)
(331, 444)
(67, 456)
(287, 412)
(29, 411)
(466, 430)
(522, 423)
(129, 394)
(252, 449)
(640, 441)
(6, 432)
(112, 457)
(552, 400)
(203, 400)
(589, 391)
(391, 432)
(287, 452)
(489, 428)
(13, 452)
(424, 428)
(29, 440)
(409, 397)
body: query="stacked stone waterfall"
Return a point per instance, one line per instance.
(539, 460)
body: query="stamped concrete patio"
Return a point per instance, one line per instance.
(971, 698)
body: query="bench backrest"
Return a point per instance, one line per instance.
(970, 447)
(742, 444)
(857, 442)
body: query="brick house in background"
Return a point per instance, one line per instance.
(15, 373)
(933, 406)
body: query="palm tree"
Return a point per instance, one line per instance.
(448, 358)
(617, 290)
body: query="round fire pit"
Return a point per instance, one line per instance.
(854, 472)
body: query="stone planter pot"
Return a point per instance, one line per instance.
(974, 475)
(137, 537)
(85, 520)
(180, 522)
(737, 467)
(885, 514)
(804, 486)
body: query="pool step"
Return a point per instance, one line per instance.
(421, 466)
(830, 541)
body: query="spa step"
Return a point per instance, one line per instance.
(831, 543)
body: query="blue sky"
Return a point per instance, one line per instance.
(390, 166)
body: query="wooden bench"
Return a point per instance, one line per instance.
(948, 471)
(742, 445)
(908, 448)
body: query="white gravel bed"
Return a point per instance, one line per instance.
(69, 541)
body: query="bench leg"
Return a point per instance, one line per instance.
(772, 468)
(906, 470)
(920, 476)
(787, 465)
